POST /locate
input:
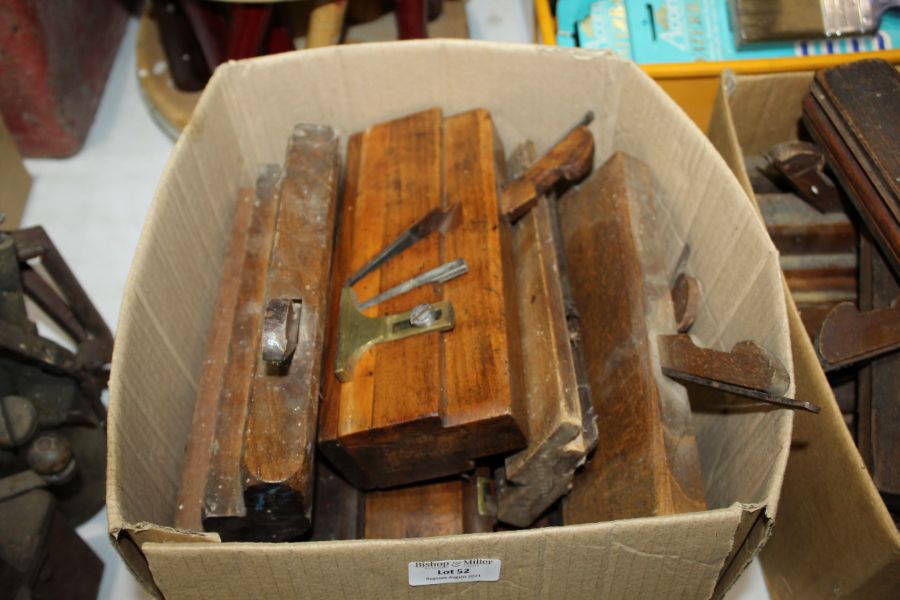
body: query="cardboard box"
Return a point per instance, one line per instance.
(15, 182)
(834, 537)
(243, 120)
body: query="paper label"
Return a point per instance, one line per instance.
(433, 572)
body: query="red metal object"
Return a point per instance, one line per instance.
(236, 31)
(248, 29)
(411, 19)
(207, 19)
(55, 58)
(281, 38)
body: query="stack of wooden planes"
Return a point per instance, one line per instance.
(832, 207)
(450, 342)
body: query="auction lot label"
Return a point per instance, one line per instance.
(434, 572)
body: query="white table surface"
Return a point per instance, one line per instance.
(93, 206)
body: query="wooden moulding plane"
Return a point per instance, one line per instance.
(561, 420)
(636, 308)
(541, 473)
(248, 470)
(646, 462)
(851, 111)
(429, 405)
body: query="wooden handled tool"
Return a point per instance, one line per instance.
(538, 475)
(248, 472)
(428, 224)
(747, 365)
(770, 20)
(803, 165)
(748, 370)
(817, 254)
(571, 159)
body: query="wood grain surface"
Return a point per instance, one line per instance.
(851, 112)
(338, 508)
(196, 461)
(747, 365)
(279, 440)
(849, 335)
(426, 406)
(446, 507)
(797, 228)
(571, 159)
(865, 95)
(541, 473)
(223, 505)
(483, 355)
(646, 462)
(879, 381)
(421, 510)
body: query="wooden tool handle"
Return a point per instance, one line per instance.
(570, 159)
(412, 19)
(184, 55)
(326, 21)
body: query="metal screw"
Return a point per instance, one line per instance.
(50, 456)
(422, 315)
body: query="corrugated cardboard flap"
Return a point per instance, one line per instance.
(130, 542)
(608, 560)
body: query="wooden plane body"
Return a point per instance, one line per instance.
(428, 405)
(646, 462)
